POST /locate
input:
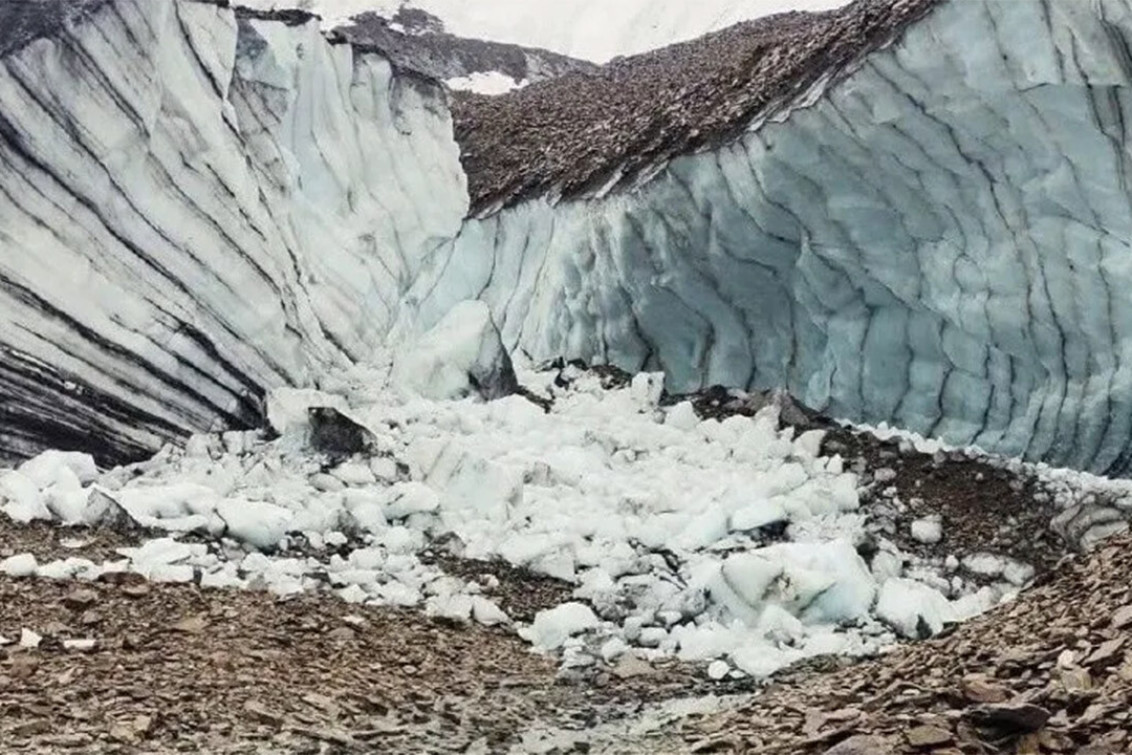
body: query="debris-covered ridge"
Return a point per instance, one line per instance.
(582, 131)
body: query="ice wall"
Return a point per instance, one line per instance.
(942, 240)
(196, 207)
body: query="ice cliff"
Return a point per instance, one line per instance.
(938, 238)
(197, 204)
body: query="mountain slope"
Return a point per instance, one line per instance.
(594, 30)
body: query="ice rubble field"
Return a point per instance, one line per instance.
(660, 519)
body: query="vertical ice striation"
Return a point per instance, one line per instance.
(941, 239)
(194, 207)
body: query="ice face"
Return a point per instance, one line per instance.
(209, 207)
(939, 241)
(194, 209)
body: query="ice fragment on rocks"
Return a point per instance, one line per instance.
(717, 670)
(552, 627)
(928, 530)
(486, 612)
(29, 639)
(22, 565)
(912, 608)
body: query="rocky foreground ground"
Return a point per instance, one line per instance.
(124, 665)
(177, 668)
(1049, 673)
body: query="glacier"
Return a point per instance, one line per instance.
(195, 206)
(199, 204)
(939, 239)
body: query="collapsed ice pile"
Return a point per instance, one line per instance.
(705, 540)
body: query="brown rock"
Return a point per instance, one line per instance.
(1122, 619)
(1021, 718)
(861, 744)
(81, 599)
(191, 625)
(90, 618)
(341, 634)
(630, 666)
(978, 689)
(78, 739)
(1076, 679)
(258, 712)
(1109, 651)
(928, 736)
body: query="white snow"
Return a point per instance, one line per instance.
(485, 82)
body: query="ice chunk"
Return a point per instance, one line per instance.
(759, 514)
(21, 565)
(29, 639)
(462, 355)
(647, 388)
(912, 608)
(717, 670)
(354, 473)
(750, 575)
(825, 582)
(45, 470)
(552, 627)
(259, 524)
(682, 416)
(409, 498)
(928, 530)
(21, 499)
(486, 612)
